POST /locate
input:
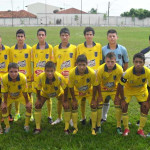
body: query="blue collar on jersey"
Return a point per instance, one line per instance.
(17, 79)
(106, 68)
(60, 45)
(24, 46)
(47, 80)
(109, 46)
(85, 44)
(143, 71)
(77, 71)
(3, 47)
(46, 46)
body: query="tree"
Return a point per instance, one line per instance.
(139, 13)
(93, 11)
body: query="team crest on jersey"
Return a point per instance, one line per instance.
(5, 56)
(26, 55)
(2, 65)
(91, 63)
(65, 64)
(114, 77)
(56, 88)
(46, 56)
(95, 53)
(19, 87)
(119, 56)
(22, 63)
(71, 55)
(143, 80)
(87, 80)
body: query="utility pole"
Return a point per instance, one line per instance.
(108, 11)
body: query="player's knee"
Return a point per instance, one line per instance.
(124, 109)
(38, 106)
(145, 109)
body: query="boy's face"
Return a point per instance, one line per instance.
(49, 73)
(81, 67)
(110, 63)
(20, 38)
(89, 36)
(138, 64)
(64, 37)
(13, 72)
(112, 38)
(41, 36)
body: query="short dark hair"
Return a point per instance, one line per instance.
(64, 30)
(81, 58)
(110, 55)
(50, 64)
(111, 31)
(139, 55)
(41, 29)
(13, 65)
(20, 31)
(87, 29)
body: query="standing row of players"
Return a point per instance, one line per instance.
(64, 55)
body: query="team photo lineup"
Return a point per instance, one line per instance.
(72, 75)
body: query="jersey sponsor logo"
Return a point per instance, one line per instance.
(22, 63)
(83, 88)
(23, 71)
(52, 94)
(71, 55)
(46, 56)
(14, 94)
(95, 53)
(26, 55)
(5, 56)
(41, 64)
(65, 64)
(91, 63)
(38, 72)
(2, 65)
(110, 84)
(65, 73)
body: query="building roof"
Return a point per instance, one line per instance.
(16, 14)
(71, 11)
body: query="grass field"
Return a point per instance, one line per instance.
(52, 137)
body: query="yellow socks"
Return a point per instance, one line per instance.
(67, 116)
(94, 117)
(27, 118)
(118, 112)
(125, 119)
(143, 119)
(17, 107)
(83, 103)
(99, 116)
(6, 121)
(49, 107)
(75, 119)
(38, 116)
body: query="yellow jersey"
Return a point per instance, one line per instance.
(109, 80)
(93, 54)
(39, 57)
(51, 90)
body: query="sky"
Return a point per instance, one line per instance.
(116, 6)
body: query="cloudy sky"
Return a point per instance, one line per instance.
(116, 6)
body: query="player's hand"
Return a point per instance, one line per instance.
(28, 106)
(93, 104)
(38, 104)
(117, 100)
(66, 105)
(74, 104)
(123, 104)
(4, 108)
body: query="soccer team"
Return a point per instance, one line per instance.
(72, 75)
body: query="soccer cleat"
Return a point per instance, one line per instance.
(37, 131)
(75, 131)
(98, 130)
(141, 133)
(103, 121)
(26, 128)
(138, 123)
(148, 135)
(7, 130)
(17, 117)
(57, 121)
(126, 132)
(94, 131)
(10, 118)
(50, 120)
(67, 132)
(119, 130)
(83, 121)
(71, 123)
(31, 118)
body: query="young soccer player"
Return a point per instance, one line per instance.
(64, 57)
(121, 58)
(41, 53)
(83, 79)
(4, 61)
(108, 76)
(134, 83)
(93, 52)
(49, 84)
(20, 53)
(14, 88)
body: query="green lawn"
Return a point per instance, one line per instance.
(52, 137)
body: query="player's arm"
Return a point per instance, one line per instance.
(125, 59)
